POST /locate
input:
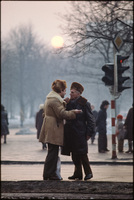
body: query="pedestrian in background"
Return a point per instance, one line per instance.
(52, 130)
(102, 127)
(129, 129)
(95, 114)
(4, 124)
(77, 132)
(120, 132)
(39, 121)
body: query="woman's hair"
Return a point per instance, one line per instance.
(104, 103)
(59, 85)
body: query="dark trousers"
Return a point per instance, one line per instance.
(78, 161)
(102, 142)
(120, 145)
(51, 161)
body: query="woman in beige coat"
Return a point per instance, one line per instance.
(53, 128)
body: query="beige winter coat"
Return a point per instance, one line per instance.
(52, 130)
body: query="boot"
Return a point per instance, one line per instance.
(130, 147)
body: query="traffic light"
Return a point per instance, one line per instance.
(120, 71)
(108, 79)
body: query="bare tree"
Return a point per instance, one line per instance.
(23, 59)
(91, 26)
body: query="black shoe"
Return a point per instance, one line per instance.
(55, 178)
(89, 176)
(129, 151)
(45, 178)
(102, 151)
(107, 150)
(74, 177)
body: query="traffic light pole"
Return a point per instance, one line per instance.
(114, 79)
(114, 156)
(113, 107)
(115, 75)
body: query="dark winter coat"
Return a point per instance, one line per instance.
(101, 121)
(77, 130)
(39, 121)
(4, 123)
(129, 125)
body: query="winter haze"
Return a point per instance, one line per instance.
(30, 64)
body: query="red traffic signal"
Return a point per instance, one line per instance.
(120, 59)
(120, 70)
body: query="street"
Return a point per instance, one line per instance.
(26, 148)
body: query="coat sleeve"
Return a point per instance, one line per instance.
(128, 118)
(61, 112)
(90, 120)
(99, 117)
(6, 117)
(36, 120)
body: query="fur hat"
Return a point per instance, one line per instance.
(77, 86)
(119, 117)
(59, 85)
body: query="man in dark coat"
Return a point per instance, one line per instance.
(77, 132)
(129, 127)
(102, 127)
(4, 123)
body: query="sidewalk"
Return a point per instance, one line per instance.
(27, 148)
(23, 151)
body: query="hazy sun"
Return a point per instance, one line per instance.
(57, 41)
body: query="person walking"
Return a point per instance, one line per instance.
(52, 130)
(4, 124)
(77, 132)
(101, 127)
(120, 132)
(95, 114)
(39, 121)
(129, 130)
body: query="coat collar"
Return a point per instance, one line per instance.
(81, 100)
(54, 94)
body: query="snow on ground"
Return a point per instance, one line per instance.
(15, 123)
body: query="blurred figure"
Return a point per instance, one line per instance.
(4, 124)
(95, 114)
(39, 121)
(21, 118)
(129, 129)
(120, 132)
(102, 127)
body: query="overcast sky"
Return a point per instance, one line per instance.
(41, 14)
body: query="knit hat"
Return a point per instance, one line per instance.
(41, 106)
(119, 117)
(59, 85)
(77, 86)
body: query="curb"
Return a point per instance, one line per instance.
(113, 162)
